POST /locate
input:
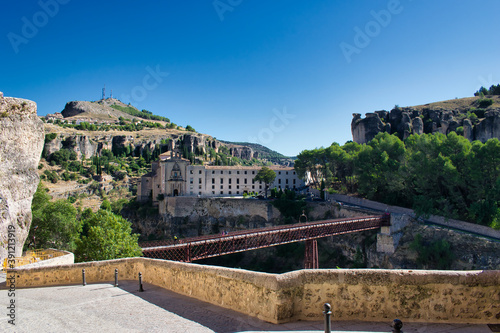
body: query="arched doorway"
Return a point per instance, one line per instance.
(176, 192)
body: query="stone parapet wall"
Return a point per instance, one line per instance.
(364, 295)
(66, 258)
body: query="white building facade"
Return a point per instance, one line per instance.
(172, 175)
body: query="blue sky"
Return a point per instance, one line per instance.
(286, 74)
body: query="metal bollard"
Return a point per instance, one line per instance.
(397, 326)
(83, 277)
(328, 313)
(140, 282)
(116, 277)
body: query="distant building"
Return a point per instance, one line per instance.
(173, 175)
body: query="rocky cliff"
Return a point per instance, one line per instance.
(21, 143)
(89, 143)
(475, 118)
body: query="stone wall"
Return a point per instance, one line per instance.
(363, 295)
(434, 219)
(21, 143)
(192, 216)
(66, 258)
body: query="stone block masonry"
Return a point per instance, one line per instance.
(361, 295)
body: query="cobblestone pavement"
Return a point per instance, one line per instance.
(104, 308)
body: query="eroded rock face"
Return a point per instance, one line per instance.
(21, 143)
(483, 124)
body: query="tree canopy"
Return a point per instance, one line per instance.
(432, 173)
(106, 236)
(265, 175)
(54, 224)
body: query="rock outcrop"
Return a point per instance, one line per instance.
(464, 116)
(21, 143)
(92, 144)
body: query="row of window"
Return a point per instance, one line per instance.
(245, 181)
(237, 172)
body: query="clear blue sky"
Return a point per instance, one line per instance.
(284, 73)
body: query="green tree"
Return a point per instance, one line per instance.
(379, 168)
(265, 175)
(106, 236)
(54, 224)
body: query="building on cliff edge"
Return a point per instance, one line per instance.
(173, 175)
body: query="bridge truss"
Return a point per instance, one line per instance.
(189, 249)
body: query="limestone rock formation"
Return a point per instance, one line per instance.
(465, 116)
(21, 143)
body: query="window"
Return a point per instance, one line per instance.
(238, 187)
(190, 180)
(229, 186)
(191, 171)
(237, 192)
(199, 193)
(222, 180)
(229, 192)
(287, 172)
(229, 180)
(213, 192)
(199, 187)
(221, 192)
(199, 180)
(294, 172)
(213, 187)
(253, 172)
(191, 192)
(294, 182)
(229, 171)
(221, 187)
(245, 180)
(279, 172)
(237, 180)
(221, 172)
(253, 187)
(199, 172)
(260, 187)
(279, 181)
(286, 181)
(213, 180)
(237, 172)
(245, 172)
(213, 172)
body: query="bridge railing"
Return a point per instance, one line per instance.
(202, 247)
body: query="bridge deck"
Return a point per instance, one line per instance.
(203, 247)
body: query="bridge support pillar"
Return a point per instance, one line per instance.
(311, 255)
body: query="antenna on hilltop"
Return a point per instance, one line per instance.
(104, 92)
(111, 95)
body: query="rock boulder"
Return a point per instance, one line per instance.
(21, 143)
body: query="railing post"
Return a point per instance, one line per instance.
(116, 277)
(83, 277)
(140, 282)
(397, 326)
(327, 312)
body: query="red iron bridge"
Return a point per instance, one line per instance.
(195, 248)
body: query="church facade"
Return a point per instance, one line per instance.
(173, 175)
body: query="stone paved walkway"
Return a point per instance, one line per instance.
(104, 308)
